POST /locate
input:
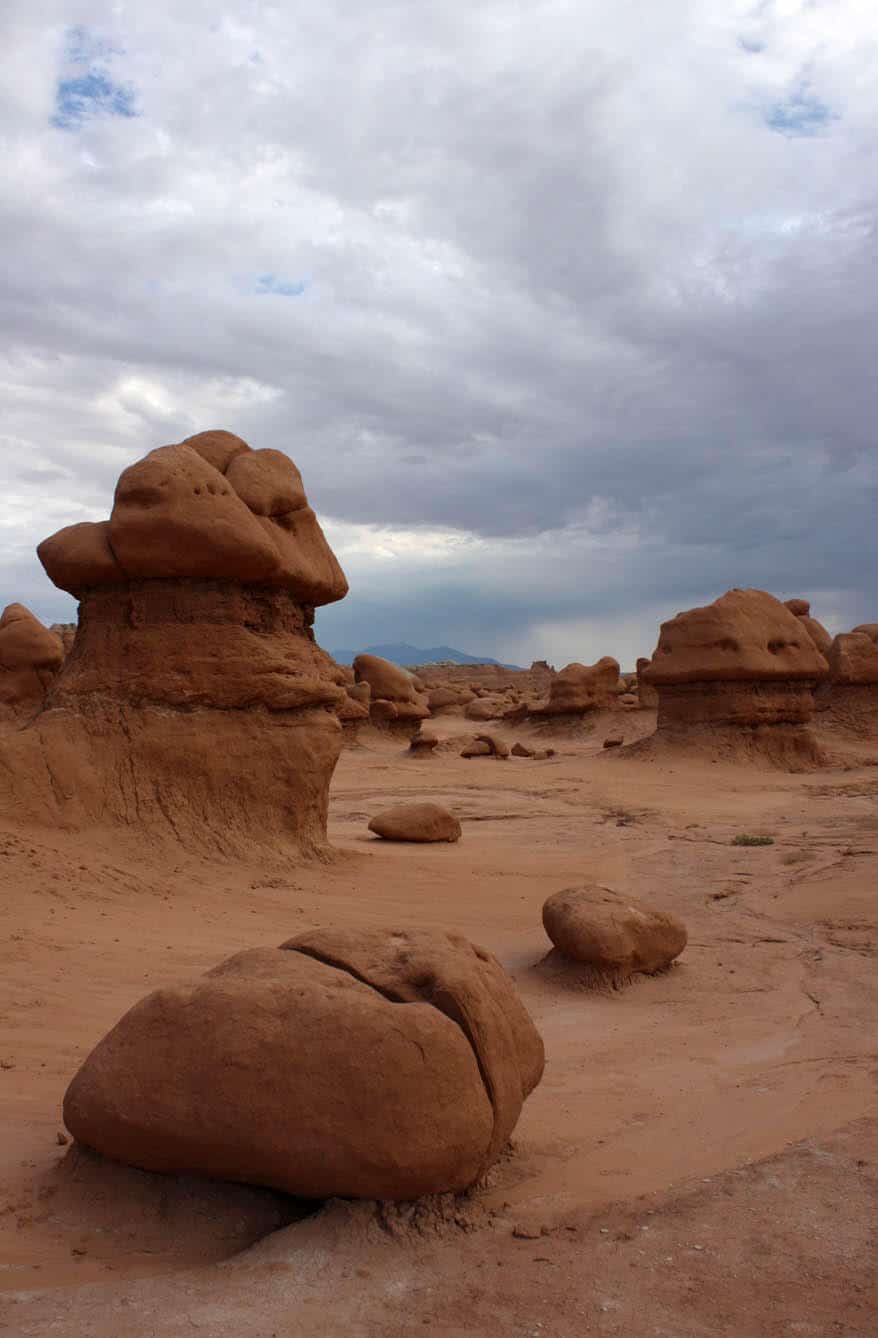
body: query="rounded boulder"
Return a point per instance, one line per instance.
(364, 1064)
(416, 822)
(612, 933)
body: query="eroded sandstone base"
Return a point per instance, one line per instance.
(735, 703)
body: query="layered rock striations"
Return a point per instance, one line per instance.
(194, 698)
(366, 1063)
(739, 672)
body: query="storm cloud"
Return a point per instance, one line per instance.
(566, 311)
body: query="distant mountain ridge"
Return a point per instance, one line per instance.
(401, 653)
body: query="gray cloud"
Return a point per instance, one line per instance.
(573, 288)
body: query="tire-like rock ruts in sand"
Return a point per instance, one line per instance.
(366, 1064)
(416, 822)
(612, 933)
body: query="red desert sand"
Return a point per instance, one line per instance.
(701, 1155)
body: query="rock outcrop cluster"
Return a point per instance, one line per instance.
(365, 1064)
(194, 700)
(578, 688)
(739, 673)
(395, 695)
(30, 657)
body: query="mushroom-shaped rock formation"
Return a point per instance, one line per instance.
(582, 687)
(613, 935)
(816, 631)
(195, 700)
(416, 822)
(364, 1064)
(394, 692)
(740, 674)
(30, 657)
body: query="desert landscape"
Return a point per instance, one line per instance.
(452, 999)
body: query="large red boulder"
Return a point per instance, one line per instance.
(364, 1064)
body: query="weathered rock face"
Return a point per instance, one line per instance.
(416, 822)
(853, 659)
(30, 657)
(67, 633)
(647, 695)
(194, 698)
(579, 688)
(364, 1064)
(743, 663)
(613, 935)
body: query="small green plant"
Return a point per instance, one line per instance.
(742, 839)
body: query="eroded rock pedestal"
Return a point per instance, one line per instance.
(195, 701)
(736, 678)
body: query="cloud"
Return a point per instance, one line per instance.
(588, 326)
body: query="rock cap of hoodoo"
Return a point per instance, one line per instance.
(853, 659)
(816, 631)
(208, 508)
(745, 635)
(366, 1064)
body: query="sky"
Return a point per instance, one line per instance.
(567, 310)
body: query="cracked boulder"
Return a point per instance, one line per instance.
(363, 1064)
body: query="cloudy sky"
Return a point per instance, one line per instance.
(566, 309)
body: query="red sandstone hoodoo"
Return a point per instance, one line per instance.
(738, 676)
(195, 701)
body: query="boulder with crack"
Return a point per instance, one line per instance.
(367, 1063)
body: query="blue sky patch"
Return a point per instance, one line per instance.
(90, 91)
(270, 283)
(800, 114)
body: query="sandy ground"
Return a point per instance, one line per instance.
(701, 1157)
